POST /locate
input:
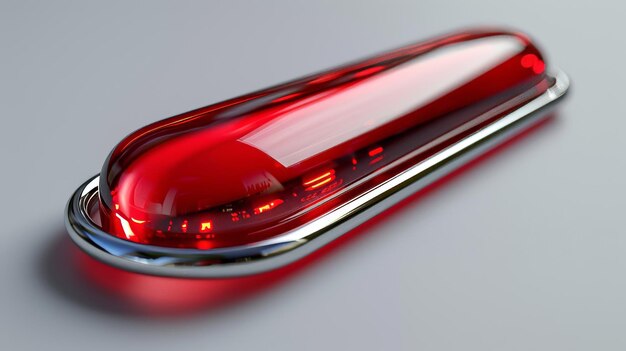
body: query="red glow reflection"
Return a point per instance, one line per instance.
(268, 206)
(319, 180)
(159, 296)
(534, 62)
(539, 67)
(375, 151)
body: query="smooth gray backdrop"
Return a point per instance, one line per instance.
(525, 251)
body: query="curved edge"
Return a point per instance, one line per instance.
(280, 251)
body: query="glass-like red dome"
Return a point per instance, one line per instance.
(260, 165)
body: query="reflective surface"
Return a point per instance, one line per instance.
(166, 296)
(257, 166)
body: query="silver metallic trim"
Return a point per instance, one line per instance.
(282, 250)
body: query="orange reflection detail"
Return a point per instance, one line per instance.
(184, 226)
(268, 206)
(206, 227)
(375, 151)
(320, 180)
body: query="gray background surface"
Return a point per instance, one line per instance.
(525, 251)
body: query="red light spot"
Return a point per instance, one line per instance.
(368, 71)
(539, 67)
(375, 151)
(354, 161)
(528, 60)
(533, 62)
(184, 226)
(376, 160)
(206, 227)
(268, 206)
(203, 244)
(320, 180)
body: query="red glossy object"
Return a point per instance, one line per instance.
(257, 166)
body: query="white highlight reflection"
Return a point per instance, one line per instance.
(346, 114)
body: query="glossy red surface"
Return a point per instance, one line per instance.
(153, 296)
(257, 166)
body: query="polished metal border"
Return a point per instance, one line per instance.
(282, 250)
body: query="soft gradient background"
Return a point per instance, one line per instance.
(524, 251)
